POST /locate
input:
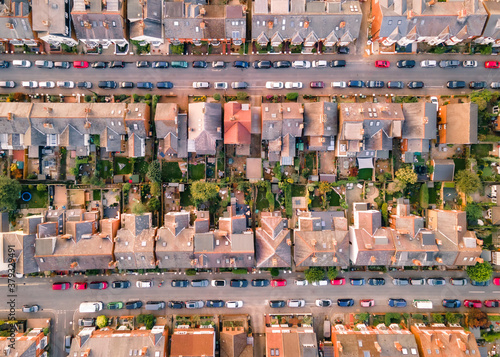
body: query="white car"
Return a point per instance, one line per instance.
(47, 84)
(201, 85)
(320, 64)
(428, 64)
(296, 303)
(469, 64)
(218, 283)
(220, 85)
(274, 85)
(301, 282)
(435, 101)
(293, 85)
(339, 85)
(323, 282)
(301, 64)
(65, 84)
(21, 63)
(144, 284)
(234, 304)
(30, 84)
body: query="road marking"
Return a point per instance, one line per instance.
(496, 292)
(476, 292)
(434, 86)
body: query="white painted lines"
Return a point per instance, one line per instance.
(476, 292)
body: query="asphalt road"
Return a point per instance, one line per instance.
(62, 306)
(358, 68)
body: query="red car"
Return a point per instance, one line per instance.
(98, 285)
(382, 64)
(473, 303)
(491, 64)
(80, 286)
(338, 281)
(61, 286)
(278, 282)
(317, 84)
(496, 281)
(492, 303)
(80, 64)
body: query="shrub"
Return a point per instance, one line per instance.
(41, 187)
(101, 321)
(240, 271)
(292, 96)
(275, 272)
(190, 272)
(216, 96)
(332, 273)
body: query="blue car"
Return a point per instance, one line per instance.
(358, 281)
(452, 303)
(345, 302)
(397, 302)
(480, 283)
(356, 84)
(376, 281)
(240, 64)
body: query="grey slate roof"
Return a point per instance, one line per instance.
(50, 16)
(174, 248)
(205, 127)
(320, 122)
(420, 121)
(145, 18)
(17, 26)
(492, 27)
(171, 130)
(271, 247)
(443, 170)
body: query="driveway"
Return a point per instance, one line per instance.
(60, 197)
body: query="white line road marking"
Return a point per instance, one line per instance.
(476, 292)
(496, 292)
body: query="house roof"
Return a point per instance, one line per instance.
(171, 129)
(461, 122)
(24, 251)
(271, 241)
(492, 26)
(420, 121)
(495, 215)
(449, 341)
(50, 16)
(443, 170)
(193, 342)
(204, 123)
(320, 121)
(174, 247)
(17, 26)
(237, 123)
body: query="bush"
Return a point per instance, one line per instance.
(216, 96)
(148, 320)
(437, 318)
(138, 209)
(101, 321)
(275, 272)
(240, 271)
(453, 318)
(190, 272)
(126, 187)
(41, 187)
(392, 317)
(314, 274)
(292, 96)
(241, 95)
(332, 273)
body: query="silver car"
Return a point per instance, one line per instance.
(194, 304)
(47, 84)
(66, 84)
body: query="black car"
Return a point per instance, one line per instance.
(477, 85)
(343, 50)
(99, 65)
(277, 303)
(262, 64)
(415, 84)
(260, 283)
(51, 192)
(239, 283)
(199, 64)
(214, 303)
(4, 64)
(117, 64)
(180, 283)
(126, 84)
(164, 85)
(338, 63)
(107, 84)
(86, 85)
(376, 281)
(160, 64)
(120, 284)
(405, 64)
(143, 64)
(395, 85)
(175, 304)
(455, 84)
(282, 64)
(451, 303)
(375, 84)
(356, 84)
(480, 283)
(240, 64)
(132, 305)
(145, 85)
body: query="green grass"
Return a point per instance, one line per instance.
(309, 161)
(186, 199)
(459, 164)
(127, 169)
(105, 169)
(298, 190)
(197, 172)
(262, 202)
(449, 184)
(487, 172)
(96, 195)
(170, 171)
(432, 195)
(38, 199)
(141, 166)
(480, 150)
(316, 201)
(334, 198)
(365, 174)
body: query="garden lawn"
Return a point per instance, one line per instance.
(38, 199)
(96, 196)
(480, 150)
(298, 190)
(334, 198)
(123, 166)
(262, 202)
(310, 158)
(459, 165)
(365, 174)
(170, 171)
(105, 169)
(432, 195)
(316, 201)
(186, 199)
(197, 172)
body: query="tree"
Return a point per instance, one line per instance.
(138, 208)
(385, 213)
(314, 274)
(204, 191)
(101, 321)
(474, 211)
(480, 272)
(155, 189)
(275, 272)
(424, 196)
(154, 171)
(216, 96)
(332, 273)
(148, 320)
(481, 98)
(437, 318)
(10, 190)
(126, 187)
(453, 318)
(292, 96)
(154, 204)
(241, 95)
(467, 181)
(477, 318)
(41, 187)
(406, 175)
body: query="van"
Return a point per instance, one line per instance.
(320, 64)
(422, 304)
(91, 306)
(179, 64)
(44, 64)
(155, 305)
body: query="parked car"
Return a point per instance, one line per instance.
(301, 282)
(455, 84)
(478, 85)
(415, 85)
(382, 64)
(218, 64)
(323, 302)
(31, 308)
(179, 283)
(449, 63)
(428, 64)
(201, 85)
(142, 64)
(98, 285)
(469, 64)
(218, 283)
(301, 64)
(262, 64)
(417, 281)
(458, 281)
(274, 85)
(282, 64)
(400, 281)
(44, 64)
(99, 65)
(495, 85)
(80, 64)
(144, 284)
(4, 64)
(496, 281)
(338, 63)
(397, 302)
(66, 84)
(84, 84)
(376, 281)
(239, 85)
(121, 284)
(80, 285)
(214, 303)
(395, 85)
(322, 282)
(367, 303)
(480, 283)
(357, 281)
(220, 85)
(199, 283)
(234, 304)
(492, 303)
(160, 64)
(46, 84)
(260, 283)
(473, 303)
(277, 303)
(145, 85)
(164, 85)
(199, 64)
(118, 305)
(296, 303)
(7, 84)
(21, 63)
(491, 64)
(320, 64)
(67, 344)
(451, 303)
(62, 64)
(116, 64)
(86, 322)
(30, 84)
(375, 84)
(436, 281)
(107, 84)
(194, 304)
(405, 64)
(356, 84)
(175, 304)
(240, 64)
(132, 305)
(340, 84)
(278, 282)
(317, 84)
(338, 281)
(126, 84)
(61, 286)
(343, 50)
(239, 283)
(293, 85)
(179, 64)
(345, 302)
